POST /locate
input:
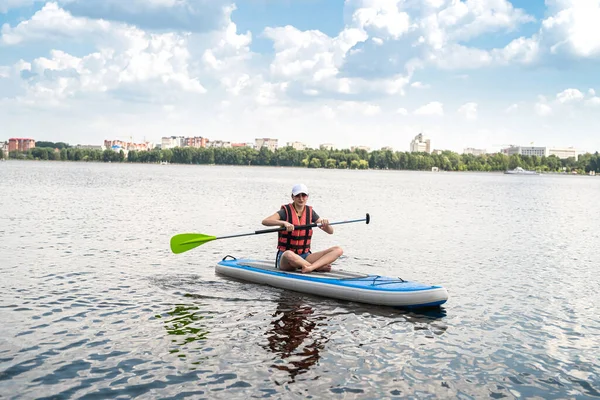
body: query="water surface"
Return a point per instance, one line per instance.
(94, 304)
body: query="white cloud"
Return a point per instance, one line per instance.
(512, 108)
(382, 17)
(52, 23)
(420, 85)
(461, 21)
(183, 15)
(402, 111)
(574, 28)
(542, 109)
(569, 96)
(591, 92)
(593, 102)
(309, 55)
(434, 108)
(468, 111)
(128, 59)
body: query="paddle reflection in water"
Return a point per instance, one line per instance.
(295, 336)
(186, 323)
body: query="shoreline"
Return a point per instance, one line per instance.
(294, 167)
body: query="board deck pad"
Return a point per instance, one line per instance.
(333, 274)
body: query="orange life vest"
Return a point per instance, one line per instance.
(297, 240)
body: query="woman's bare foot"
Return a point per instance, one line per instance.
(306, 269)
(324, 268)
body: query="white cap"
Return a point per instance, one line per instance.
(299, 188)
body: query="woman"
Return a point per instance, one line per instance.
(293, 246)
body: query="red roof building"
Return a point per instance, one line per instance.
(20, 144)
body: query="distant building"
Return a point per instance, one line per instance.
(437, 151)
(250, 145)
(196, 141)
(297, 145)
(526, 151)
(270, 144)
(118, 145)
(563, 153)
(387, 148)
(365, 148)
(326, 146)
(219, 143)
(90, 147)
(475, 152)
(20, 144)
(169, 142)
(420, 144)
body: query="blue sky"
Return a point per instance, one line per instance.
(471, 73)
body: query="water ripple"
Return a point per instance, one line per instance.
(95, 306)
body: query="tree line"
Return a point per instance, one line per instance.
(317, 158)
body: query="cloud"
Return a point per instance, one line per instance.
(458, 21)
(420, 85)
(593, 102)
(309, 55)
(402, 111)
(542, 109)
(186, 15)
(311, 60)
(53, 23)
(383, 18)
(573, 30)
(128, 60)
(468, 111)
(434, 108)
(512, 108)
(4, 71)
(569, 96)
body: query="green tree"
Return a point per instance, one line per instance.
(330, 163)
(315, 163)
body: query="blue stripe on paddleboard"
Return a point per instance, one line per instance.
(345, 282)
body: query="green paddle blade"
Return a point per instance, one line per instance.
(187, 241)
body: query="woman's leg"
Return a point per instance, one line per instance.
(322, 259)
(291, 261)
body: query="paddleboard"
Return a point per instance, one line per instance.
(337, 284)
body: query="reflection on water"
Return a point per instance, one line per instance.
(293, 337)
(185, 322)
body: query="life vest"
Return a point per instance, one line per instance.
(297, 240)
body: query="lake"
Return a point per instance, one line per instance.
(95, 305)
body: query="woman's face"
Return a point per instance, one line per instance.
(300, 199)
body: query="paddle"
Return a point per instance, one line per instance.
(187, 241)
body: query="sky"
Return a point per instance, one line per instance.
(471, 73)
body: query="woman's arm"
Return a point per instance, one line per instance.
(325, 227)
(275, 220)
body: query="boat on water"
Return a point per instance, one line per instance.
(337, 284)
(520, 171)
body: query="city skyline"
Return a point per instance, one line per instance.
(420, 143)
(363, 73)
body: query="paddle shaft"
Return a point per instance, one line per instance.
(282, 228)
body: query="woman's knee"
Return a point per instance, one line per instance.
(338, 251)
(286, 255)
